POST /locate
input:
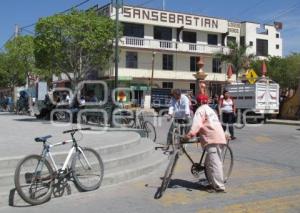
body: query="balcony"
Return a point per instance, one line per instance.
(171, 46)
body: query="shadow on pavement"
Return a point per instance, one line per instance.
(27, 119)
(60, 189)
(14, 200)
(188, 185)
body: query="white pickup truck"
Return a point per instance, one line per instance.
(261, 98)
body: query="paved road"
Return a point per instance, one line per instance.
(266, 178)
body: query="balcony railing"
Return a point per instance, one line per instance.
(171, 45)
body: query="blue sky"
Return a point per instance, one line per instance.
(26, 12)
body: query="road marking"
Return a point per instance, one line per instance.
(281, 204)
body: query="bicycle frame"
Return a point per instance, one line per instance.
(47, 153)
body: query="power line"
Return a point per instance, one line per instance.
(75, 6)
(251, 8)
(2, 47)
(30, 25)
(283, 13)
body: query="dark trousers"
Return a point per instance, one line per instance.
(184, 125)
(228, 118)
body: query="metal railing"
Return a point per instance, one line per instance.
(171, 45)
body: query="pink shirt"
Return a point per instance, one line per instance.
(207, 124)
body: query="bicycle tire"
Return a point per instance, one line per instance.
(227, 168)
(150, 130)
(168, 173)
(78, 170)
(227, 160)
(48, 176)
(175, 139)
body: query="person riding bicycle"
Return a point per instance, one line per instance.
(179, 110)
(207, 125)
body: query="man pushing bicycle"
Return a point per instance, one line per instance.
(179, 110)
(207, 124)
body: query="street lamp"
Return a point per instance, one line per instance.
(200, 75)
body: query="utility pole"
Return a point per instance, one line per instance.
(117, 6)
(164, 5)
(152, 73)
(16, 30)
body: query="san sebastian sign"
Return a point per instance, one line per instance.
(172, 19)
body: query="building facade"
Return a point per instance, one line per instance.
(166, 45)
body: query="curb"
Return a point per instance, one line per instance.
(292, 123)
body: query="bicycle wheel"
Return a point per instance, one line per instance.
(34, 179)
(227, 162)
(175, 139)
(227, 159)
(168, 174)
(150, 130)
(87, 169)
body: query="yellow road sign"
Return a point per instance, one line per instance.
(251, 76)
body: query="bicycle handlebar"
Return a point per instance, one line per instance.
(75, 130)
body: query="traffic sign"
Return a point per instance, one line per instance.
(251, 76)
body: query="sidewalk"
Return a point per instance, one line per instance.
(284, 122)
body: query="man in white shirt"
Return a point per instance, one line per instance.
(179, 106)
(179, 110)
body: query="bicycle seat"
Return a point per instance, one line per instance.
(42, 139)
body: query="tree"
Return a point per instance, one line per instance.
(237, 57)
(74, 44)
(17, 61)
(284, 71)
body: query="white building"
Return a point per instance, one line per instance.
(177, 40)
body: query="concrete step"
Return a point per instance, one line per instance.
(103, 148)
(112, 177)
(117, 160)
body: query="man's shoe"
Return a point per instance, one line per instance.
(220, 190)
(233, 138)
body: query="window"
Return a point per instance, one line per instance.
(190, 37)
(193, 63)
(277, 35)
(162, 33)
(277, 46)
(217, 68)
(261, 47)
(231, 39)
(242, 41)
(131, 60)
(168, 85)
(251, 43)
(167, 62)
(212, 39)
(133, 30)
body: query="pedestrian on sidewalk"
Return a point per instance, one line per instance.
(227, 112)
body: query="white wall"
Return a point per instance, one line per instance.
(251, 35)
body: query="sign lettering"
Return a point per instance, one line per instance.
(172, 18)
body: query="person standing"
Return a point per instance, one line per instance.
(227, 112)
(208, 126)
(179, 110)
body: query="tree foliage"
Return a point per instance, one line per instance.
(285, 71)
(17, 61)
(74, 44)
(237, 57)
